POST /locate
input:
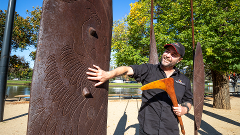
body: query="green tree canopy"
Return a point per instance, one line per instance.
(34, 19)
(216, 27)
(124, 53)
(18, 67)
(23, 34)
(25, 31)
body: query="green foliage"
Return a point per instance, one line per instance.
(130, 46)
(33, 55)
(235, 67)
(34, 19)
(216, 27)
(124, 54)
(138, 22)
(23, 33)
(19, 68)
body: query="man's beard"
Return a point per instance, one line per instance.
(170, 64)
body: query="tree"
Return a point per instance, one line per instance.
(125, 54)
(216, 28)
(18, 67)
(34, 19)
(23, 33)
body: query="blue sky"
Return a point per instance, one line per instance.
(120, 9)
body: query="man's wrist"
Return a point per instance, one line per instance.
(184, 105)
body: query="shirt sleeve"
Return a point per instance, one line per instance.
(140, 72)
(188, 95)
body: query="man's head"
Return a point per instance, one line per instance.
(172, 55)
(180, 49)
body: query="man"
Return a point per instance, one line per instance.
(156, 115)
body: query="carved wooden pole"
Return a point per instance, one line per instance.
(74, 35)
(153, 57)
(198, 79)
(198, 88)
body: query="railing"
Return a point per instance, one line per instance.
(125, 95)
(206, 94)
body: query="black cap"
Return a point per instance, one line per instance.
(180, 49)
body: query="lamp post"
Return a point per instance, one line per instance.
(5, 52)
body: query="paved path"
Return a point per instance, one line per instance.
(122, 118)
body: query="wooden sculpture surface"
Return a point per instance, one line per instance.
(74, 35)
(198, 87)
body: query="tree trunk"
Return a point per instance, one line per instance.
(221, 96)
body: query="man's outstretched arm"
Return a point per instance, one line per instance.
(97, 74)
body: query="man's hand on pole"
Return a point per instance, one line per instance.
(97, 74)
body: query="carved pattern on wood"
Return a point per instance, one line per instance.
(69, 1)
(63, 100)
(70, 103)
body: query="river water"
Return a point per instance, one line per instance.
(25, 90)
(17, 90)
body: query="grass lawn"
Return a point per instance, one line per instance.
(18, 82)
(126, 84)
(110, 84)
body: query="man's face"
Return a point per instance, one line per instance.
(170, 57)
